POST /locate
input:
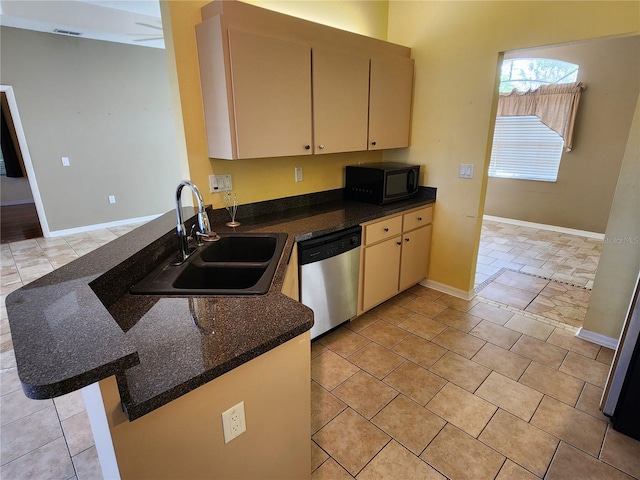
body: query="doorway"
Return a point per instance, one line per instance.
(553, 230)
(21, 212)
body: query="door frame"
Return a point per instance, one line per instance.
(26, 156)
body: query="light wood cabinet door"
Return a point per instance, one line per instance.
(340, 101)
(414, 266)
(380, 275)
(271, 81)
(391, 90)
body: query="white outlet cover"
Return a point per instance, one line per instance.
(65, 161)
(112, 199)
(233, 422)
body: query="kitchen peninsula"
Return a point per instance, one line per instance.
(158, 381)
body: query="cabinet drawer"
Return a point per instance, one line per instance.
(385, 228)
(416, 219)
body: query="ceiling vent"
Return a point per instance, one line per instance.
(67, 32)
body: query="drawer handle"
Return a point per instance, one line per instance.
(419, 219)
(386, 229)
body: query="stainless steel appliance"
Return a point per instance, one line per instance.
(329, 267)
(621, 397)
(381, 183)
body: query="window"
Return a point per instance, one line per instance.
(524, 74)
(524, 147)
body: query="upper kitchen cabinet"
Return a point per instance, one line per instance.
(275, 85)
(340, 101)
(390, 94)
(260, 105)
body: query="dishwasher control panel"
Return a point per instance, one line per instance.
(329, 245)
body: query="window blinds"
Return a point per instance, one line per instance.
(525, 148)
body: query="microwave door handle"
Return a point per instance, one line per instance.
(412, 184)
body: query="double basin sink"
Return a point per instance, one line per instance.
(237, 264)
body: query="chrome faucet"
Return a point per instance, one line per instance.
(203, 233)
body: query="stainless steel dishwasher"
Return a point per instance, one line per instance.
(329, 268)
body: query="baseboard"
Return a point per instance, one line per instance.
(597, 338)
(542, 226)
(100, 226)
(455, 292)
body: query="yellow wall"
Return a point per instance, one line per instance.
(456, 47)
(184, 439)
(620, 258)
(266, 178)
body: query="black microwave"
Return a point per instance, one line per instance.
(381, 183)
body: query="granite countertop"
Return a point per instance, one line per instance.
(78, 324)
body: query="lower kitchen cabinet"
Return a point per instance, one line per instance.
(381, 267)
(414, 264)
(395, 255)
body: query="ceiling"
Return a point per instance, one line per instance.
(134, 22)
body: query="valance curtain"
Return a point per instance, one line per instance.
(555, 105)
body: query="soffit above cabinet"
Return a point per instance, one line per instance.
(267, 22)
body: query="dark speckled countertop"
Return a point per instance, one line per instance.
(78, 324)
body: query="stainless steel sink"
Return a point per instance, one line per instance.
(237, 264)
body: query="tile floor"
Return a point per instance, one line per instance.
(427, 386)
(571, 259)
(43, 439)
(525, 391)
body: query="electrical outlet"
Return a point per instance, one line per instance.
(298, 171)
(220, 183)
(466, 170)
(233, 422)
(112, 199)
(65, 161)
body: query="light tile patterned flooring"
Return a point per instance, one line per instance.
(43, 439)
(427, 386)
(563, 257)
(511, 258)
(384, 388)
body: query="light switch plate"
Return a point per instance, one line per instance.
(466, 170)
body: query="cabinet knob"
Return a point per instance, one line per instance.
(419, 219)
(386, 229)
(373, 143)
(406, 239)
(321, 147)
(307, 147)
(398, 243)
